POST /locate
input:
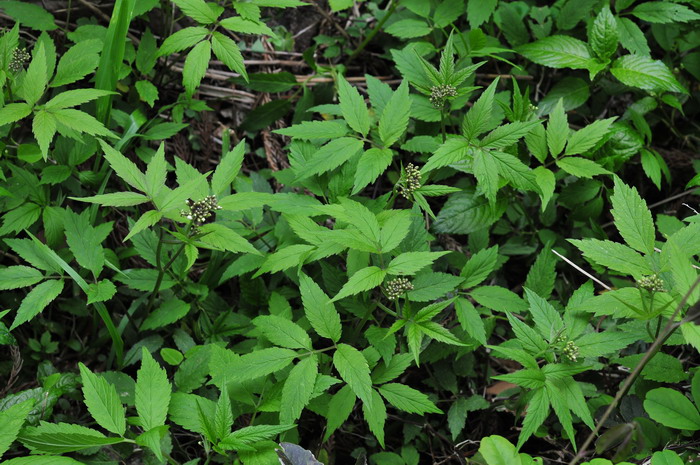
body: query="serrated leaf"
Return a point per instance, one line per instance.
(409, 263)
(371, 165)
(102, 401)
(558, 51)
(146, 220)
(633, 218)
(615, 256)
(645, 73)
(557, 129)
(182, 39)
(309, 130)
(115, 199)
(394, 119)
(451, 151)
(353, 107)
(14, 277)
(581, 167)
(152, 395)
(408, 399)
(298, 389)
(603, 35)
(199, 10)
(339, 409)
(63, 437)
(84, 241)
(125, 168)
(13, 112)
(470, 320)
(584, 139)
(12, 418)
(664, 12)
(283, 332)
(375, 415)
(537, 413)
(224, 238)
(228, 52)
(262, 362)
(79, 61)
(330, 156)
(478, 119)
(37, 300)
(319, 310)
(363, 280)
(352, 367)
(228, 169)
(195, 66)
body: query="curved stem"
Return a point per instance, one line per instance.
(373, 32)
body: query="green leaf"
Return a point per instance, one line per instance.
(196, 65)
(615, 256)
(338, 5)
(470, 320)
(374, 412)
(409, 28)
(20, 218)
(363, 280)
(102, 401)
(13, 112)
(223, 415)
(14, 277)
(224, 238)
(310, 130)
(672, 409)
(152, 392)
(497, 450)
(252, 434)
(409, 263)
(199, 10)
(44, 128)
(182, 39)
(84, 241)
(41, 460)
(603, 34)
(125, 168)
(169, 312)
(283, 332)
(298, 389)
(645, 73)
(115, 199)
(353, 107)
(631, 37)
(438, 332)
(542, 274)
(479, 266)
(72, 98)
(248, 26)
(12, 419)
(352, 367)
(479, 11)
(664, 13)
(30, 15)
(152, 440)
(36, 300)
(478, 119)
(666, 457)
(499, 299)
(408, 399)
(36, 78)
(633, 218)
(371, 165)
(339, 409)
(263, 116)
(63, 437)
(508, 134)
(147, 92)
(515, 172)
(558, 51)
(284, 258)
(486, 172)
(319, 309)
(451, 151)
(330, 156)
(547, 320)
(394, 119)
(101, 291)
(228, 52)
(146, 220)
(262, 362)
(537, 413)
(581, 167)
(228, 169)
(465, 212)
(557, 129)
(584, 139)
(80, 122)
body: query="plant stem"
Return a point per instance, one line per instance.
(670, 327)
(442, 125)
(162, 269)
(390, 10)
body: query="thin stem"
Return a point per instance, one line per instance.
(390, 10)
(442, 125)
(162, 270)
(670, 327)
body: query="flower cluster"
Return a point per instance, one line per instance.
(439, 95)
(200, 211)
(19, 57)
(397, 287)
(651, 283)
(411, 180)
(571, 351)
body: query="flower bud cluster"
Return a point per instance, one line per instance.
(439, 95)
(571, 351)
(651, 283)
(397, 287)
(19, 58)
(200, 211)
(411, 181)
